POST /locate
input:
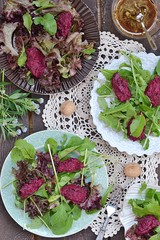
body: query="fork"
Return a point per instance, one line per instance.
(111, 209)
(151, 41)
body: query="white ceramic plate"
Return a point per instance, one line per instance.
(37, 140)
(127, 217)
(116, 139)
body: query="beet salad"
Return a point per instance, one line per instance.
(147, 215)
(133, 100)
(54, 184)
(44, 39)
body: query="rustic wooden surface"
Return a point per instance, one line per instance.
(9, 230)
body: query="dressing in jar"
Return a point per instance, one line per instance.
(124, 13)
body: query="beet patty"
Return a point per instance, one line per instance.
(75, 193)
(121, 88)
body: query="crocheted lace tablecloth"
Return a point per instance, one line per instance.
(80, 122)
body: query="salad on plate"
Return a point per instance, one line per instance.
(141, 212)
(127, 96)
(55, 186)
(44, 39)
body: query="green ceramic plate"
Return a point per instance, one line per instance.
(37, 140)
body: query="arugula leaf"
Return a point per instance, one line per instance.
(35, 223)
(16, 155)
(144, 100)
(89, 51)
(137, 125)
(42, 192)
(121, 107)
(74, 141)
(27, 21)
(145, 76)
(53, 145)
(76, 212)
(157, 196)
(157, 229)
(48, 22)
(110, 121)
(122, 65)
(105, 196)
(108, 73)
(150, 193)
(63, 141)
(47, 218)
(27, 150)
(102, 103)
(145, 143)
(155, 237)
(53, 198)
(22, 58)
(61, 220)
(66, 151)
(78, 144)
(142, 188)
(105, 89)
(18, 202)
(86, 144)
(124, 73)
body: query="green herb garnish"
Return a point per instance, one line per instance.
(13, 107)
(48, 22)
(27, 21)
(22, 58)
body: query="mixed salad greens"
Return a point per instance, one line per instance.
(54, 184)
(44, 39)
(130, 99)
(147, 212)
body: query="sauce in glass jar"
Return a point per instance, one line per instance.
(125, 12)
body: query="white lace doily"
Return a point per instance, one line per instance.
(80, 122)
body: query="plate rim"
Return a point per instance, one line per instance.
(51, 235)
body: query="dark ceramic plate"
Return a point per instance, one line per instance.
(91, 33)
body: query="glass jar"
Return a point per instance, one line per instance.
(124, 14)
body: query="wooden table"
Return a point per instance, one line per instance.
(9, 230)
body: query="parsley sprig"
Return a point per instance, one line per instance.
(12, 108)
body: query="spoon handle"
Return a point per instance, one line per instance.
(149, 37)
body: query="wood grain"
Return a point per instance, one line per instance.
(9, 230)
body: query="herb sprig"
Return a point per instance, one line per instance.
(13, 107)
